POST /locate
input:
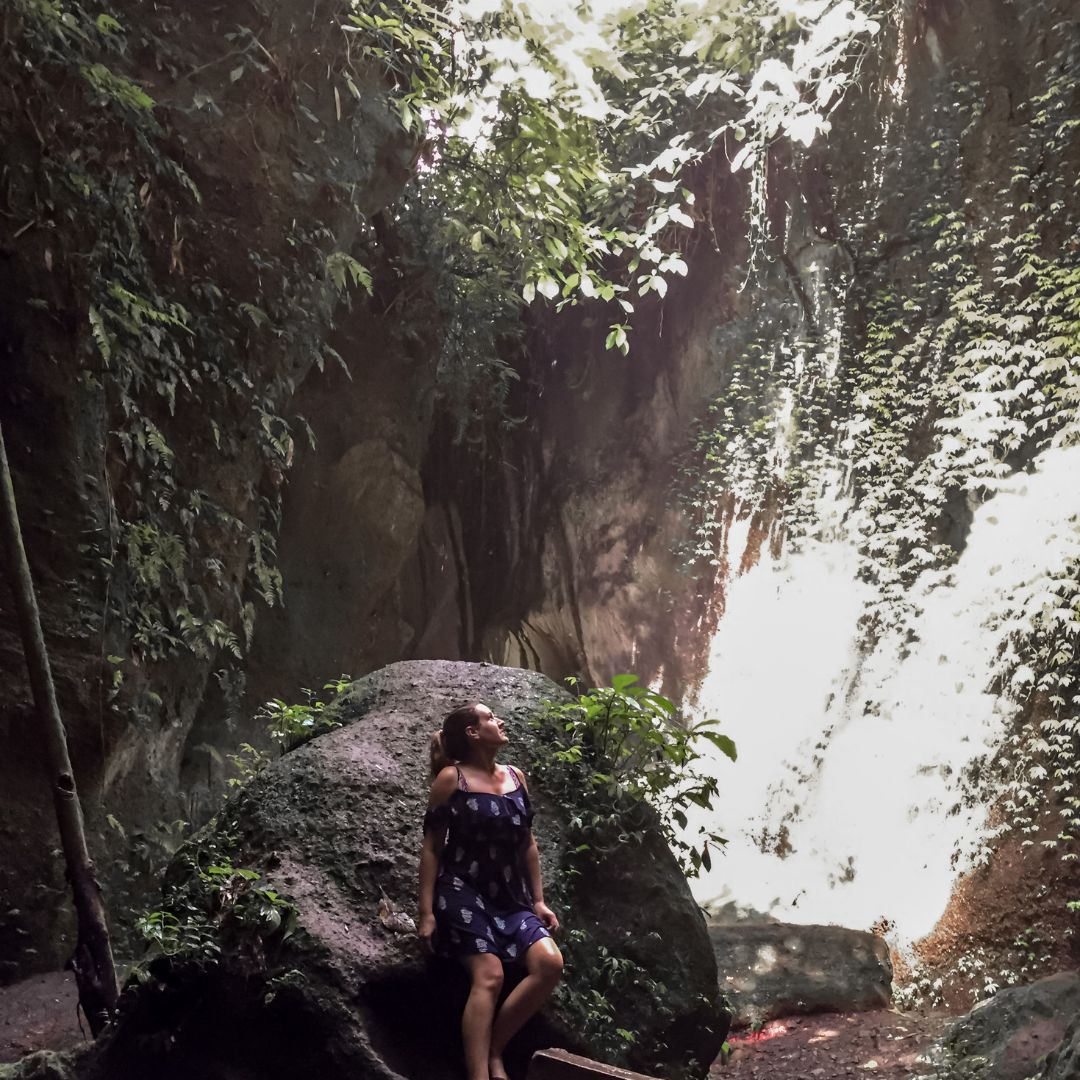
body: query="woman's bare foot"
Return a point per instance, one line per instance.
(496, 1068)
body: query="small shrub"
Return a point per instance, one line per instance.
(626, 745)
(211, 904)
(292, 725)
(623, 764)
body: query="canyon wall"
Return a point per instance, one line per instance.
(598, 526)
(163, 288)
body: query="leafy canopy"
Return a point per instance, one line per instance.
(558, 139)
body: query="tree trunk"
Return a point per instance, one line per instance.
(93, 959)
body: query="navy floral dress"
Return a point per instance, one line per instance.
(482, 898)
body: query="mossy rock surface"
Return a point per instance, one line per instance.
(1010, 1036)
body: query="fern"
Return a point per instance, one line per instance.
(100, 334)
(343, 269)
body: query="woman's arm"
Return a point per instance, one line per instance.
(531, 857)
(430, 851)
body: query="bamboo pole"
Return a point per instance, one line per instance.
(92, 961)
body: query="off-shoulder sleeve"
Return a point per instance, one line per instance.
(530, 813)
(437, 819)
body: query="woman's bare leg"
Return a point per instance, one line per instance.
(486, 972)
(543, 964)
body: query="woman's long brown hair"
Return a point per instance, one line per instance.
(450, 744)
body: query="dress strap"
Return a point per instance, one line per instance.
(517, 772)
(463, 784)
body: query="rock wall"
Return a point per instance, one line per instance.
(265, 148)
(953, 125)
(938, 169)
(551, 545)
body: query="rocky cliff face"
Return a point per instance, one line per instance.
(598, 535)
(904, 348)
(861, 427)
(163, 286)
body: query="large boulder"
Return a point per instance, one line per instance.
(335, 827)
(1008, 1036)
(1064, 1062)
(782, 969)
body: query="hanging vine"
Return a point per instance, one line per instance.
(958, 365)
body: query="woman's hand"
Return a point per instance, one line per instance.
(546, 916)
(426, 932)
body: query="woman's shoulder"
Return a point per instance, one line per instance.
(444, 785)
(520, 774)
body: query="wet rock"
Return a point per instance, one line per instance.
(1007, 1037)
(770, 970)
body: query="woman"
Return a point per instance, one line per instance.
(481, 896)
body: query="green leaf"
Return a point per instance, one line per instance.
(115, 87)
(548, 287)
(344, 270)
(724, 744)
(662, 703)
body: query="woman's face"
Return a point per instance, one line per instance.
(490, 730)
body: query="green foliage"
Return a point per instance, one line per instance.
(246, 763)
(621, 762)
(596, 978)
(191, 372)
(215, 898)
(629, 747)
(287, 725)
(559, 147)
(1029, 956)
(292, 725)
(942, 363)
(344, 271)
(114, 87)
(215, 902)
(750, 448)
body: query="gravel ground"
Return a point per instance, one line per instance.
(833, 1046)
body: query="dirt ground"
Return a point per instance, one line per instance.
(40, 1013)
(833, 1046)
